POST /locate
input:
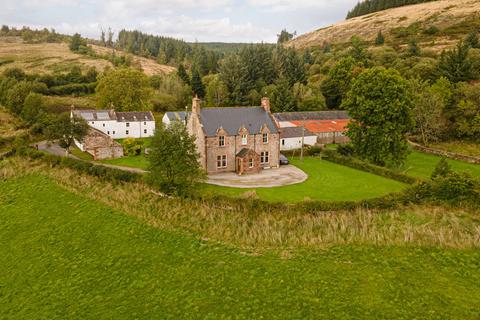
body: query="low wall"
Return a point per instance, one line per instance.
(446, 154)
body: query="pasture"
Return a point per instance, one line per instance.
(66, 255)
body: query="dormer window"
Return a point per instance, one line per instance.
(265, 138)
(221, 141)
(244, 140)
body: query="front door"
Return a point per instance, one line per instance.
(239, 166)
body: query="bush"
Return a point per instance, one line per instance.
(313, 151)
(132, 147)
(345, 150)
(73, 88)
(431, 30)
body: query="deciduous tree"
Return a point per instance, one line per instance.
(65, 130)
(380, 105)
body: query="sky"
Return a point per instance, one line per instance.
(191, 20)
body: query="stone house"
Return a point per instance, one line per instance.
(100, 145)
(242, 140)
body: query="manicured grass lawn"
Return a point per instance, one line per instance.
(422, 165)
(140, 162)
(326, 181)
(65, 256)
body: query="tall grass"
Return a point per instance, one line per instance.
(263, 228)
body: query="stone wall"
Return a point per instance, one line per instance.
(101, 146)
(447, 154)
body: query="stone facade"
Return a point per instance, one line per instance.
(100, 146)
(219, 152)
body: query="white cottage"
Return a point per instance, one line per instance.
(119, 125)
(173, 116)
(291, 138)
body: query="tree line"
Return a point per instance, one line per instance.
(371, 6)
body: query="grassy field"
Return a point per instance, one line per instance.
(140, 162)
(327, 181)
(421, 165)
(461, 147)
(65, 255)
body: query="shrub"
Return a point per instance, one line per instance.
(432, 30)
(313, 151)
(345, 150)
(132, 147)
(442, 169)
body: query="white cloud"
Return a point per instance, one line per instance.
(284, 5)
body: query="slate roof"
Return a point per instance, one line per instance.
(233, 119)
(294, 132)
(111, 115)
(244, 152)
(312, 115)
(135, 116)
(177, 115)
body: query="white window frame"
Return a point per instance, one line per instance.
(251, 163)
(244, 139)
(127, 124)
(222, 162)
(264, 157)
(221, 141)
(265, 138)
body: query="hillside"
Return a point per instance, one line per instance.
(56, 57)
(453, 18)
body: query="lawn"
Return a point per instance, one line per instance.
(421, 165)
(66, 256)
(80, 154)
(326, 181)
(140, 162)
(460, 147)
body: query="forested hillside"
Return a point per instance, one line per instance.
(371, 6)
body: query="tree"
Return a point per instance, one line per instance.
(197, 84)
(182, 74)
(33, 108)
(413, 48)
(428, 111)
(285, 36)
(234, 74)
(308, 98)
(472, 40)
(357, 50)
(442, 169)
(124, 89)
(466, 114)
(76, 42)
(5, 29)
(65, 130)
(455, 64)
(16, 96)
(380, 40)
(216, 92)
(102, 38)
(283, 99)
(380, 105)
(173, 157)
(337, 83)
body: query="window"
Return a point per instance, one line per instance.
(113, 132)
(126, 131)
(244, 140)
(221, 141)
(144, 123)
(264, 157)
(265, 138)
(93, 122)
(145, 131)
(222, 161)
(283, 142)
(128, 124)
(108, 132)
(104, 125)
(250, 163)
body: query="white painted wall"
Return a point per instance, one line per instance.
(166, 121)
(118, 130)
(296, 143)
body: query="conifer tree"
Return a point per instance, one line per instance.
(197, 84)
(380, 40)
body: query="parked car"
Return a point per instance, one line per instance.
(283, 160)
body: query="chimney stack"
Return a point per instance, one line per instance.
(266, 104)
(196, 105)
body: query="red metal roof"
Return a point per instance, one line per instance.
(319, 126)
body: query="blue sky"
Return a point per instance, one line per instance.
(202, 20)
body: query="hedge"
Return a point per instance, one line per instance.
(333, 156)
(73, 88)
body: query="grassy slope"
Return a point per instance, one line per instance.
(422, 165)
(460, 147)
(454, 18)
(65, 256)
(327, 181)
